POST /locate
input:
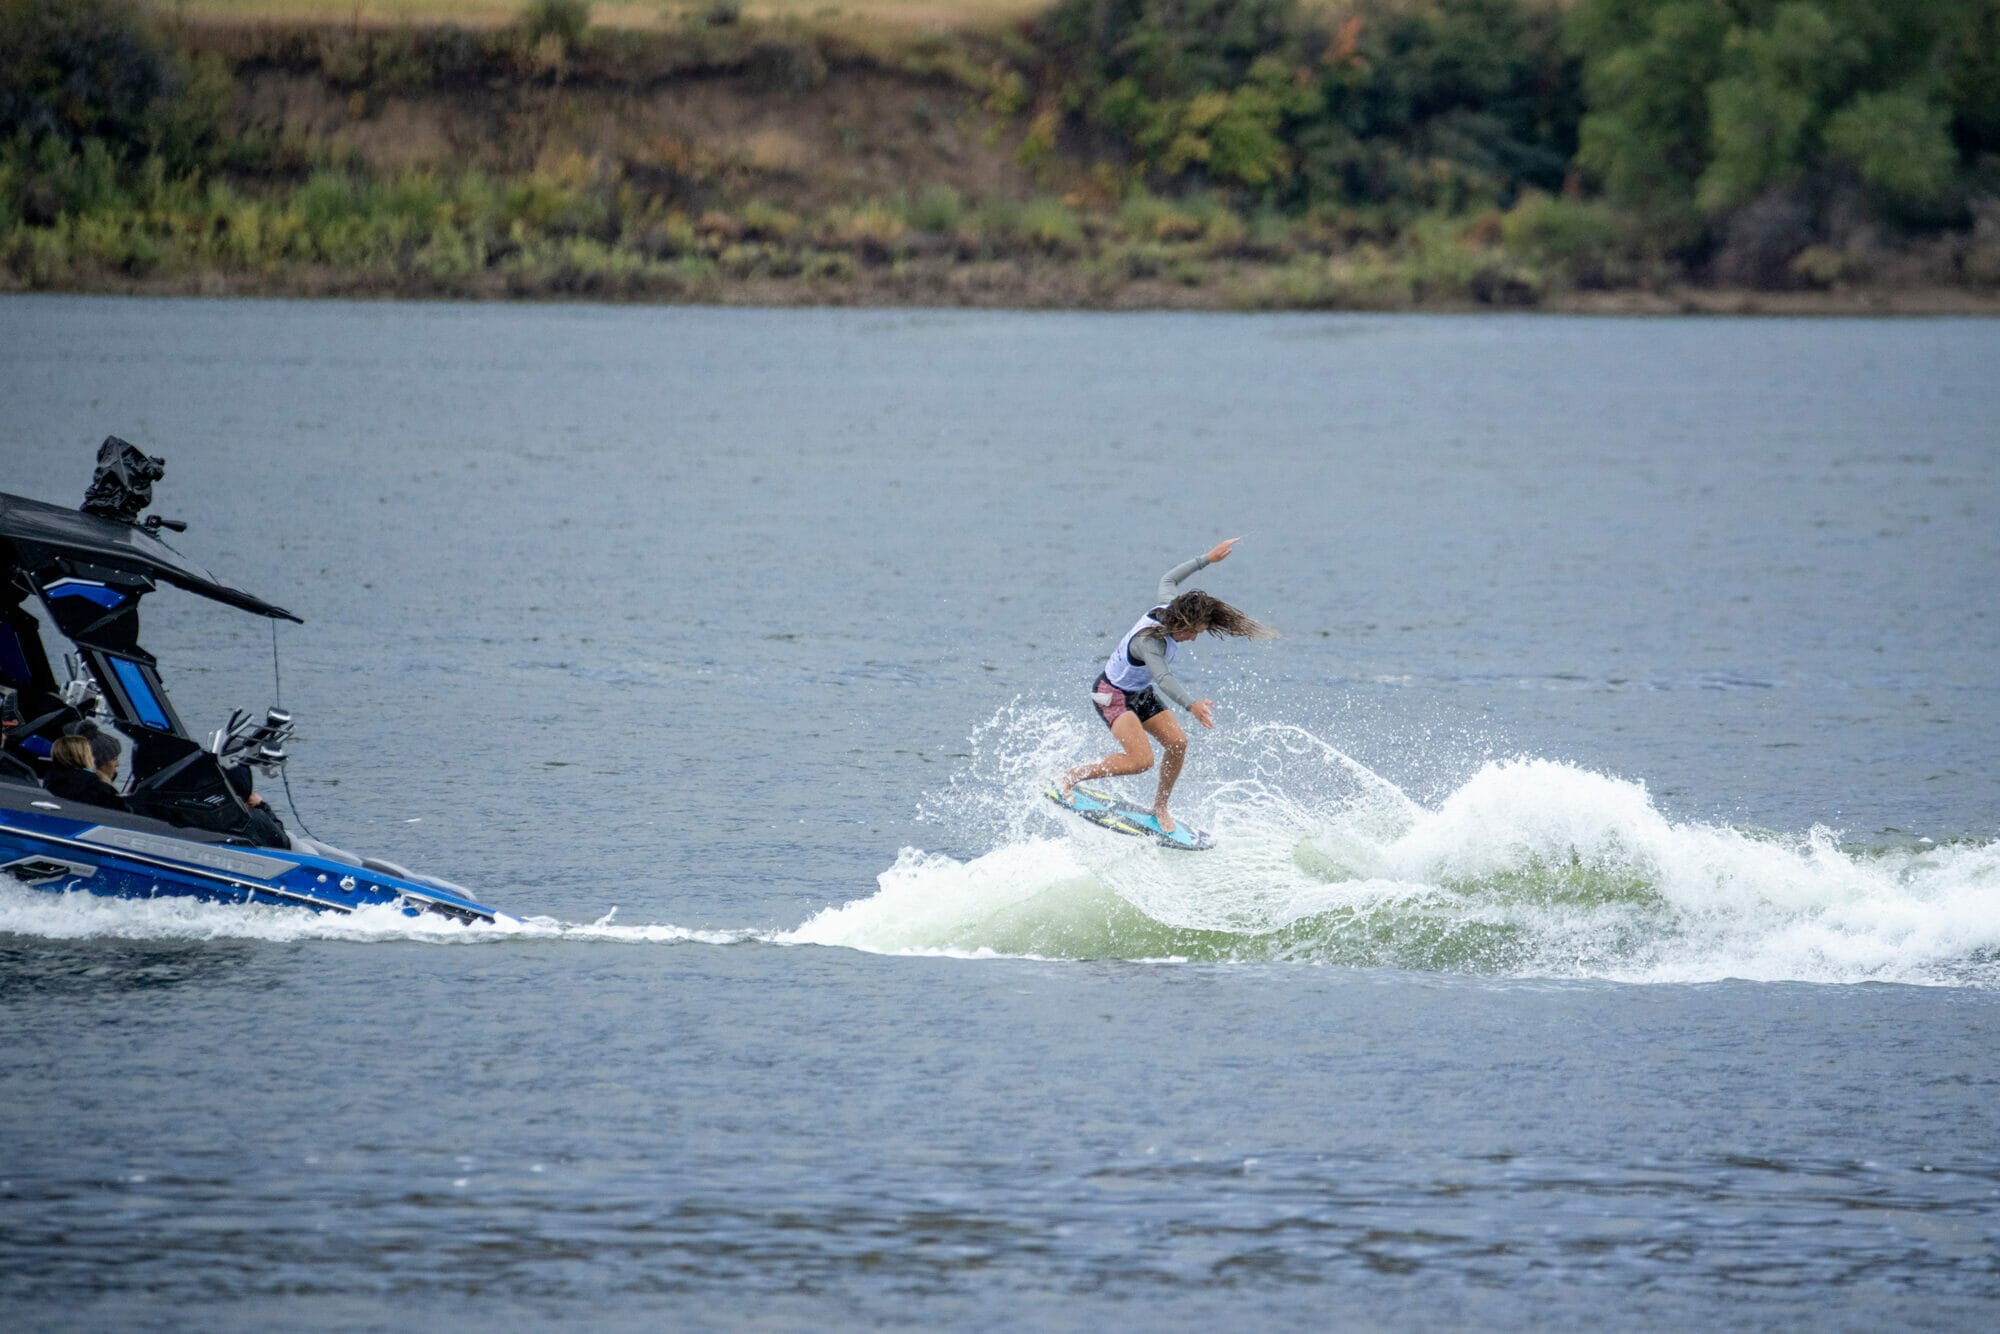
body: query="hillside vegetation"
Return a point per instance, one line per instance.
(1809, 154)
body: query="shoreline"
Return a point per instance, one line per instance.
(795, 165)
(1044, 290)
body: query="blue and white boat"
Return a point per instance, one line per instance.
(78, 575)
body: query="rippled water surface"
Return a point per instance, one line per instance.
(1604, 927)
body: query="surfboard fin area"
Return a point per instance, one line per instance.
(1102, 810)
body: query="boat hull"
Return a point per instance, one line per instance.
(56, 851)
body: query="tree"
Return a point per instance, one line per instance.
(81, 69)
(1646, 70)
(77, 71)
(1698, 107)
(1899, 142)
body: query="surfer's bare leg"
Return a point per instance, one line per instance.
(1166, 730)
(1136, 758)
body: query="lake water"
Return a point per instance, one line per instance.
(1604, 928)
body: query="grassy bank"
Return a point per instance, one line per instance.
(888, 16)
(762, 154)
(939, 14)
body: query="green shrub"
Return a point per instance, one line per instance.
(741, 260)
(1304, 284)
(552, 203)
(1552, 227)
(1038, 144)
(415, 196)
(99, 239)
(1009, 95)
(937, 209)
(786, 62)
(1269, 235)
(1980, 261)
(1223, 232)
(1441, 260)
(48, 261)
(450, 256)
(873, 230)
(327, 198)
(1819, 266)
(1145, 217)
(1367, 279)
(1239, 136)
(565, 20)
(1050, 226)
(826, 265)
(769, 222)
(1125, 262)
(85, 181)
(160, 195)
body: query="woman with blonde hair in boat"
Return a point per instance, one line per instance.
(74, 775)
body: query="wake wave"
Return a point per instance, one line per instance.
(81, 916)
(1531, 868)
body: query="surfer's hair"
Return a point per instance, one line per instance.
(71, 752)
(1198, 611)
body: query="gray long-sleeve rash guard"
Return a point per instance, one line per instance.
(1151, 650)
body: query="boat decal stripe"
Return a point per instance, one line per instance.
(292, 896)
(88, 589)
(201, 854)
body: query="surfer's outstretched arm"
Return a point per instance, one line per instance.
(1170, 582)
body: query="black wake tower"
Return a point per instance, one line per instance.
(87, 570)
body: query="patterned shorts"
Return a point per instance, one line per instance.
(1111, 702)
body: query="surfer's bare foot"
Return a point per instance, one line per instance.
(1065, 785)
(1167, 825)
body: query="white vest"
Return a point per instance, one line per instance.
(1121, 671)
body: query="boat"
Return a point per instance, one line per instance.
(194, 828)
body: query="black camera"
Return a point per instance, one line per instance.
(123, 485)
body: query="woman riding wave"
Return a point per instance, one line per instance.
(1127, 692)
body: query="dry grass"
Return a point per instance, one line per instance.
(944, 15)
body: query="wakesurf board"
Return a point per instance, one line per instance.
(1107, 813)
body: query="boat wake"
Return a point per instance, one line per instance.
(81, 916)
(1530, 868)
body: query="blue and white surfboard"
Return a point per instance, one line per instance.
(1120, 818)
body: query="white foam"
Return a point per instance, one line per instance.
(1529, 868)
(82, 916)
(1532, 868)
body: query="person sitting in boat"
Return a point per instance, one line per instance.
(266, 828)
(10, 719)
(76, 776)
(105, 752)
(1127, 692)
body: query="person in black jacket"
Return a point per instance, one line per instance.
(75, 777)
(266, 829)
(104, 755)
